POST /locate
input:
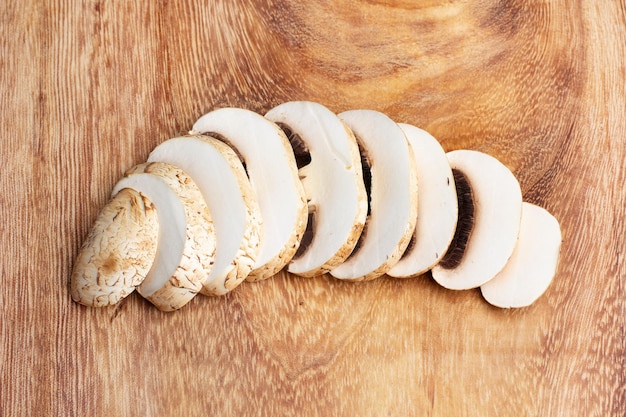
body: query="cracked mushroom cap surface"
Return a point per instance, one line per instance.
(437, 208)
(271, 166)
(489, 232)
(226, 190)
(329, 166)
(118, 252)
(186, 238)
(531, 268)
(388, 157)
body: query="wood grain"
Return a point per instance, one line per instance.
(88, 88)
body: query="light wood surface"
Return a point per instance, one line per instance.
(88, 88)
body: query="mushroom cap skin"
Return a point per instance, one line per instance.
(271, 166)
(186, 239)
(222, 180)
(531, 268)
(333, 182)
(118, 251)
(393, 196)
(437, 209)
(497, 199)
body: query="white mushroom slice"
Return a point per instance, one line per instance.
(490, 206)
(329, 165)
(271, 166)
(529, 272)
(218, 173)
(437, 209)
(393, 196)
(186, 242)
(118, 251)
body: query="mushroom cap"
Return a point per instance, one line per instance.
(393, 197)
(497, 199)
(186, 241)
(118, 252)
(333, 182)
(226, 190)
(271, 166)
(437, 209)
(533, 264)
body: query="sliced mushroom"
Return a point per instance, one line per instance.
(490, 205)
(222, 180)
(389, 168)
(531, 268)
(330, 170)
(186, 239)
(271, 166)
(437, 208)
(118, 252)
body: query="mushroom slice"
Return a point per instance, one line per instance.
(222, 180)
(529, 272)
(118, 252)
(490, 206)
(329, 166)
(437, 208)
(271, 165)
(186, 240)
(389, 168)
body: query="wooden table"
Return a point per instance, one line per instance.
(88, 88)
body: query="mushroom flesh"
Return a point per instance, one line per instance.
(271, 166)
(490, 205)
(531, 268)
(393, 195)
(226, 190)
(186, 239)
(329, 166)
(437, 208)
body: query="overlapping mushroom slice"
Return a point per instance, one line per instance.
(531, 268)
(222, 180)
(390, 175)
(186, 239)
(490, 205)
(118, 252)
(271, 166)
(437, 208)
(329, 167)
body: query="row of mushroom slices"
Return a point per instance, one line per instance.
(356, 195)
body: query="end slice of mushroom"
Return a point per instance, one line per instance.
(186, 239)
(531, 268)
(393, 197)
(437, 208)
(271, 166)
(329, 166)
(486, 235)
(118, 252)
(222, 180)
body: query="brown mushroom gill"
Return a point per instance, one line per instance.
(303, 158)
(225, 140)
(465, 223)
(300, 150)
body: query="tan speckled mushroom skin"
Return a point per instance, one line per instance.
(197, 259)
(118, 252)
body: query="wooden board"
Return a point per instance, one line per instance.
(88, 88)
